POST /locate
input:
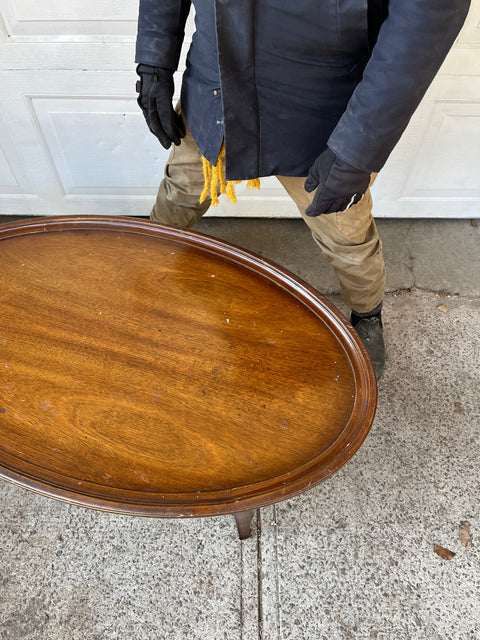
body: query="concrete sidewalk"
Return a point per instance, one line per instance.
(352, 558)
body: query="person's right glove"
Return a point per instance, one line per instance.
(155, 89)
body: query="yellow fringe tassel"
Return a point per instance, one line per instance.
(214, 180)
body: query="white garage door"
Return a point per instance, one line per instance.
(72, 140)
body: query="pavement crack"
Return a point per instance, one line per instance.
(440, 292)
(241, 612)
(259, 576)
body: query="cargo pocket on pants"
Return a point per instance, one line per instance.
(355, 222)
(169, 162)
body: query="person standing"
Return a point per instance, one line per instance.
(316, 93)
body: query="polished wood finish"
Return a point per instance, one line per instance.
(158, 372)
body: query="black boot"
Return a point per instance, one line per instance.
(370, 329)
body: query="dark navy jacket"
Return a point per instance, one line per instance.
(281, 79)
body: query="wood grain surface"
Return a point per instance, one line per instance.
(153, 371)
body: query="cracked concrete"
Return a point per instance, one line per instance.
(350, 559)
(434, 255)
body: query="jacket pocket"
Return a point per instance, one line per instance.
(303, 31)
(352, 26)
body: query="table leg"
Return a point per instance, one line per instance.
(243, 521)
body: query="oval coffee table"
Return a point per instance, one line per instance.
(150, 371)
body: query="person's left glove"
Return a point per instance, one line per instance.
(338, 184)
(155, 89)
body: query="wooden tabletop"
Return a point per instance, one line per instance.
(153, 371)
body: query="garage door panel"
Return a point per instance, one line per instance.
(449, 162)
(86, 143)
(75, 20)
(435, 169)
(73, 10)
(99, 145)
(26, 18)
(470, 34)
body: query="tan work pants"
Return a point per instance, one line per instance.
(348, 240)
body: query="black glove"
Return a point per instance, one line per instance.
(339, 184)
(155, 89)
